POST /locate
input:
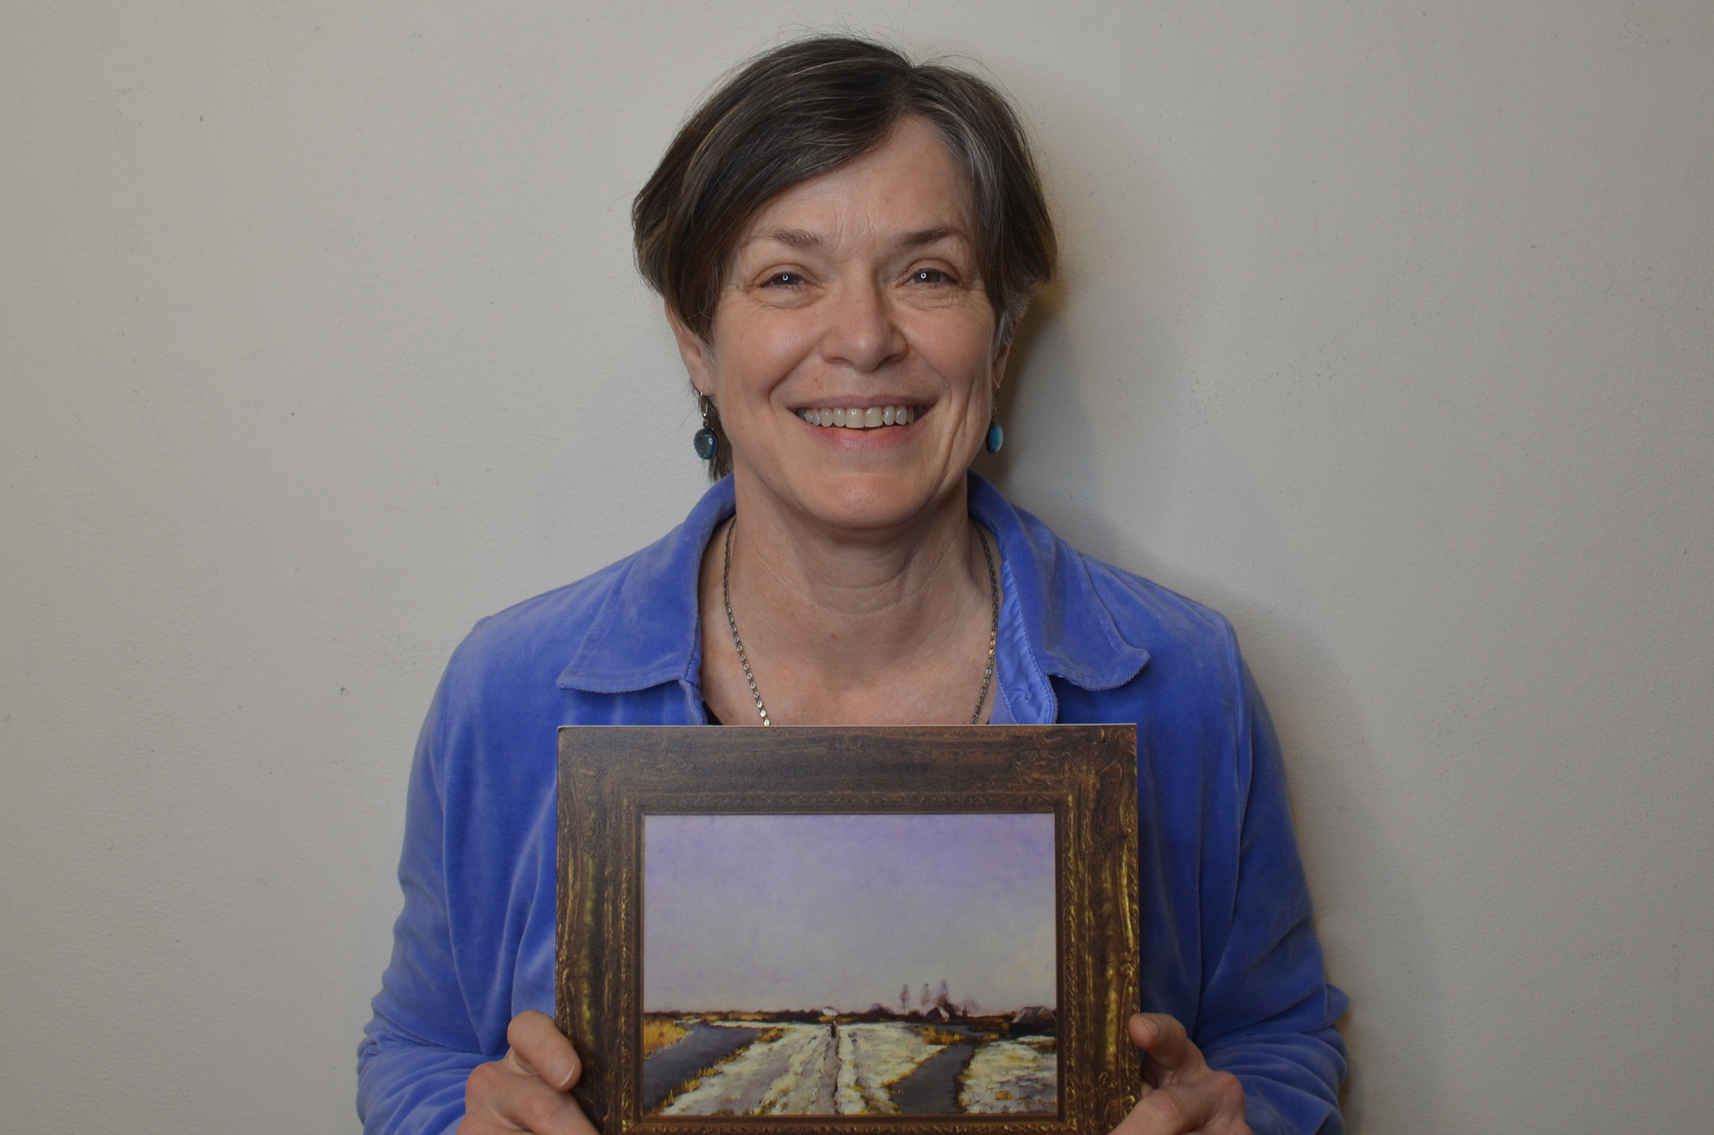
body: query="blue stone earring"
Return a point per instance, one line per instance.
(707, 442)
(996, 437)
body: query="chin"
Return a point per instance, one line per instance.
(870, 500)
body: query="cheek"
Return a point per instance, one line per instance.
(756, 352)
(961, 350)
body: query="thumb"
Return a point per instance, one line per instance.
(1163, 1037)
(540, 1049)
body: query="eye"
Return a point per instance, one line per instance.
(930, 276)
(783, 280)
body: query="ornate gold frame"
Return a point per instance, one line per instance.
(610, 777)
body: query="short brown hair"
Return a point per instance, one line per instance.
(805, 108)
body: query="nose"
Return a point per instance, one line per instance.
(862, 332)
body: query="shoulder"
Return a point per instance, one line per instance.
(1170, 626)
(1193, 680)
(631, 625)
(1097, 625)
(500, 689)
(542, 632)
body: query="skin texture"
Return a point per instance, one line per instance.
(857, 579)
(526, 1090)
(1186, 1095)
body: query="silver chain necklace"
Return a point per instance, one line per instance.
(744, 661)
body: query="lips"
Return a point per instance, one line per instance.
(860, 417)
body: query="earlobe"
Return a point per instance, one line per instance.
(995, 437)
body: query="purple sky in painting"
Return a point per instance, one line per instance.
(774, 912)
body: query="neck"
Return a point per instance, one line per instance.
(848, 625)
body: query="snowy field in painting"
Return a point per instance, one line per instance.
(1012, 1076)
(859, 1068)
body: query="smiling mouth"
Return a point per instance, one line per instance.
(861, 418)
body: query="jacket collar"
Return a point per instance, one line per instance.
(1053, 622)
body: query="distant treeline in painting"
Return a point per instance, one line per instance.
(934, 1058)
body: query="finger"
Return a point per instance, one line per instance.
(540, 1049)
(547, 1112)
(1166, 1042)
(498, 1098)
(1169, 1111)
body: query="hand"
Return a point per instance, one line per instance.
(1188, 1095)
(526, 1091)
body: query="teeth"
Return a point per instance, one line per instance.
(867, 418)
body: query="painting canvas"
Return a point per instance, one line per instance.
(849, 964)
(890, 930)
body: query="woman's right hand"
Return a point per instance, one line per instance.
(526, 1090)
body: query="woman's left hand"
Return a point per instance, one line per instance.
(1188, 1095)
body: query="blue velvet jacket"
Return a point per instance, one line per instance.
(1228, 947)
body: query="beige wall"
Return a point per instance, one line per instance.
(1386, 328)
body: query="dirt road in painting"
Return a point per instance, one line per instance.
(860, 1068)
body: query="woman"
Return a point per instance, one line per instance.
(845, 243)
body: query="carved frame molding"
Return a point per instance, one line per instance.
(610, 777)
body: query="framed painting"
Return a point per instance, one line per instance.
(924, 930)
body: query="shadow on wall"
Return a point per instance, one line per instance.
(1382, 952)
(1095, 383)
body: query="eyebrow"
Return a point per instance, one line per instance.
(800, 239)
(930, 236)
(805, 241)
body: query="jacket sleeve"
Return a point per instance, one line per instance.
(1266, 1012)
(420, 1046)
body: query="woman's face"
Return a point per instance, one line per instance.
(852, 292)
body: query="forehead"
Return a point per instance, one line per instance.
(910, 183)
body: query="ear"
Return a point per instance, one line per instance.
(697, 355)
(1003, 353)
(1006, 338)
(999, 370)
